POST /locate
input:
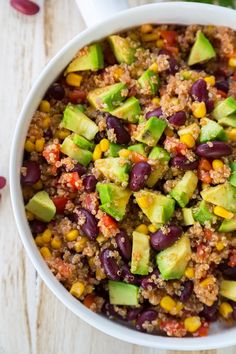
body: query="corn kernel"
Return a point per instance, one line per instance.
(150, 37)
(56, 243)
(39, 240)
(192, 324)
(222, 212)
(77, 289)
(72, 235)
(225, 309)
(231, 133)
(189, 273)
(186, 75)
(91, 262)
(205, 185)
(232, 62)
(220, 246)
(208, 281)
(39, 144)
(152, 228)
(188, 140)
(142, 228)
(160, 43)
(38, 185)
(29, 146)
(29, 215)
(143, 202)
(100, 239)
(44, 106)
(156, 101)
(124, 153)
(217, 164)
(73, 79)
(47, 235)
(32, 139)
(100, 274)
(45, 252)
(210, 80)
(97, 153)
(167, 303)
(104, 145)
(154, 67)
(80, 244)
(169, 132)
(118, 72)
(89, 288)
(146, 28)
(199, 109)
(45, 124)
(62, 133)
(177, 308)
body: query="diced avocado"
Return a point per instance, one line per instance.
(121, 293)
(223, 195)
(150, 131)
(149, 81)
(113, 199)
(229, 121)
(192, 129)
(114, 149)
(122, 49)
(42, 206)
(202, 213)
(114, 168)
(81, 107)
(184, 189)
(159, 208)
(158, 153)
(83, 143)
(201, 51)
(69, 148)
(139, 148)
(129, 110)
(78, 122)
(140, 254)
(228, 225)
(225, 108)
(232, 179)
(161, 157)
(228, 289)
(173, 261)
(212, 131)
(108, 97)
(188, 216)
(89, 58)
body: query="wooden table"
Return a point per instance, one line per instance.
(32, 320)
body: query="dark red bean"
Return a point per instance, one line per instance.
(80, 169)
(25, 6)
(147, 281)
(214, 149)
(122, 135)
(110, 265)
(132, 314)
(127, 276)
(139, 175)
(183, 163)
(187, 291)
(178, 118)
(89, 227)
(56, 91)
(155, 113)
(32, 173)
(3, 182)
(227, 271)
(209, 105)
(145, 316)
(173, 66)
(37, 226)
(124, 244)
(222, 84)
(210, 313)
(163, 239)
(89, 183)
(199, 91)
(48, 134)
(99, 136)
(109, 311)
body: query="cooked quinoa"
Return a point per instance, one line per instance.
(129, 178)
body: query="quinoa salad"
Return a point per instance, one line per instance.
(129, 178)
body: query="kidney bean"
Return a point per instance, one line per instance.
(139, 175)
(110, 265)
(109, 310)
(3, 182)
(178, 118)
(32, 173)
(222, 85)
(210, 313)
(89, 183)
(227, 271)
(132, 314)
(155, 113)
(124, 244)
(89, 227)
(25, 6)
(48, 134)
(173, 66)
(146, 315)
(122, 135)
(147, 281)
(214, 149)
(161, 240)
(183, 163)
(56, 91)
(37, 226)
(199, 91)
(99, 136)
(127, 276)
(80, 169)
(187, 291)
(209, 105)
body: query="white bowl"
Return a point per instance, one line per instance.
(175, 13)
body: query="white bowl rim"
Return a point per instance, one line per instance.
(171, 11)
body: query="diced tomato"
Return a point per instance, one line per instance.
(234, 76)
(204, 176)
(108, 226)
(232, 260)
(71, 180)
(201, 251)
(203, 331)
(171, 49)
(208, 234)
(89, 300)
(90, 202)
(136, 157)
(60, 203)
(109, 221)
(173, 328)
(181, 148)
(132, 128)
(62, 268)
(51, 153)
(204, 164)
(77, 96)
(169, 36)
(222, 93)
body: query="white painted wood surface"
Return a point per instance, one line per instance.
(32, 320)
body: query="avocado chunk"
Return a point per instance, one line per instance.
(158, 153)
(149, 81)
(78, 122)
(173, 261)
(161, 157)
(184, 189)
(223, 195)
(83, 143)
(159, 208)
(202, 213)
(122, 48)
(201, 51)
(150, 131)
(89, 58)
(139, 148)
(140, 254)
(228, 289)
(114, 168)
(42, 206)
(225, 108)
(212, 131)
(121, 293)
(192, 129)
(188, 216)
(70, 149)
(107, 98)
(229, 121)
(114, 149)
(129, 110)
(232, 179)
(114, 199)
(228, 225)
